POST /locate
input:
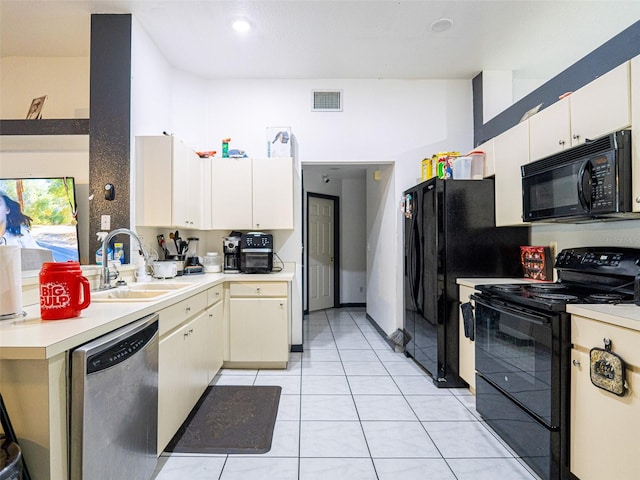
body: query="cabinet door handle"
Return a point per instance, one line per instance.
(576, 363)
(576, 136)
(258, 290)
(561, 142)
(188, 309)
(281, 304)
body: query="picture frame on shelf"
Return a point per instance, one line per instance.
(35, 110)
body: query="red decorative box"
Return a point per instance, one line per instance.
(536, 263)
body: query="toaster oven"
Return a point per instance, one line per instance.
(256, 252)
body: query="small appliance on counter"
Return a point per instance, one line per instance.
(256, 252)
(192, 263)
(231, 248)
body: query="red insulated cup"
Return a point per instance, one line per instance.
(64, 291)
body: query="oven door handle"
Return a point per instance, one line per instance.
(507, 308)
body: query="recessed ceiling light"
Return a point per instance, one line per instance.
(241, 26)
(441, 25)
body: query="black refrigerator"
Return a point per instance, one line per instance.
(449, 232)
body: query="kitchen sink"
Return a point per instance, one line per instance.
(160, 285)
(125, 294)
(137, 292)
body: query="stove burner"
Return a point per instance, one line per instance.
(546, 287)
(508, 288)
(556, 297)
(606, 297)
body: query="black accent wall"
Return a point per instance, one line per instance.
(616, 51)
(109, 124)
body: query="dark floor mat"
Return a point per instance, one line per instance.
(230, 419)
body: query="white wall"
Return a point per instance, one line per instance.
(384, 304)
(64, 80)
(353, 237)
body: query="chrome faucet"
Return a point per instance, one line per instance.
(105, 278)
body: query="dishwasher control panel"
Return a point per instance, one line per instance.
(121, 350)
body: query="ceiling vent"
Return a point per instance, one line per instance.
(327, 101)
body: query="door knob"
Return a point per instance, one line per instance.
(576, 363)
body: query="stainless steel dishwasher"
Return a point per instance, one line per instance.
(114, 404)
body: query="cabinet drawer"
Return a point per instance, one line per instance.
(258, 289)
(174, 315)
(588, 333)
(214, 295)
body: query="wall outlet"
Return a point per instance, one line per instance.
(105, 222)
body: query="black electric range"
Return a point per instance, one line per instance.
(523, 345)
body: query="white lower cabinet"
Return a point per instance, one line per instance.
(189, 357)
(466, 347)
(193, 339)
(605, 428)
(183, 375)
(259, 324)
(216, 335)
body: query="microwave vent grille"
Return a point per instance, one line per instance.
(602, 144)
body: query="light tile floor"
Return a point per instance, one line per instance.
(351, 408)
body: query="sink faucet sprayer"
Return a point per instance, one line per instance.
(105, 278)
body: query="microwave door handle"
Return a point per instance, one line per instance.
(585, 184)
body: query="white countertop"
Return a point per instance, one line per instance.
(623, 315)
(30, 337)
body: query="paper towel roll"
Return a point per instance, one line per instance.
(10, 280)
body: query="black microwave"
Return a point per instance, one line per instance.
(589, 182)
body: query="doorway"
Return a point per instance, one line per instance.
(323, 253)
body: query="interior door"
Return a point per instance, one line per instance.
(321, 253)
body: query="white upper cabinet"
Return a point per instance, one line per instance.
(489, 167)
(273, 193)
(550, 130)
(635, 133)
(169, 183)
(600, 107)
(255, 194)
(231, 194)
(511, 151)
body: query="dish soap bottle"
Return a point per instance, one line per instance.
(118, 253)
(101, 236)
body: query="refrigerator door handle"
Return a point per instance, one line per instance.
(415, 277)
